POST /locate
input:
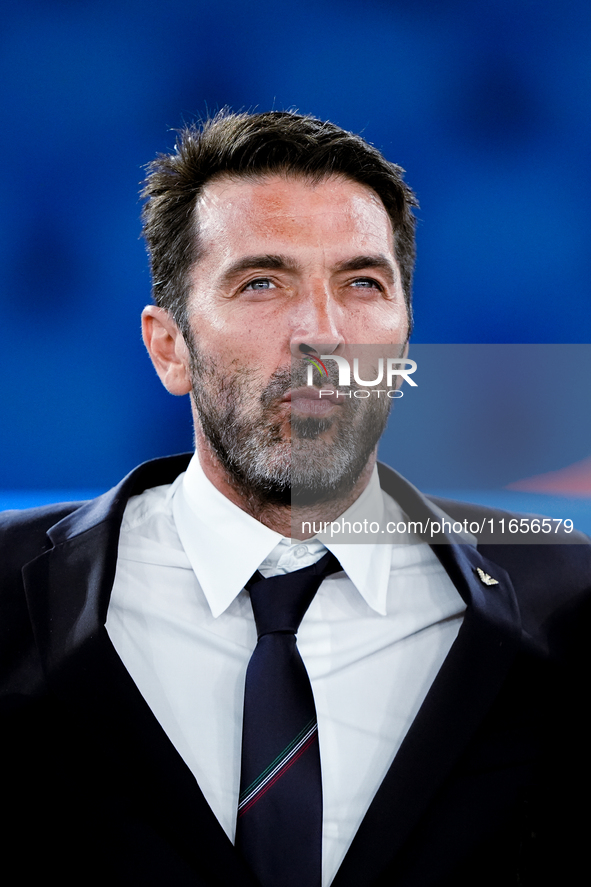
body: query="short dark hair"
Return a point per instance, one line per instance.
(252, 145)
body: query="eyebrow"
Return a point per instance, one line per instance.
(359, 263)
(264, 262)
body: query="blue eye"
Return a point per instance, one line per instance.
(260, 283)
(366, 283)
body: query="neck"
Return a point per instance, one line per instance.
(284, 519)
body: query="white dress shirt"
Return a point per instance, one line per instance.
(373, 639)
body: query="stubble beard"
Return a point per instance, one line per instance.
(321, 460)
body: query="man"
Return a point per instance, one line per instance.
(437, 676)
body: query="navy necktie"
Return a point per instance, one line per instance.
(279, 826)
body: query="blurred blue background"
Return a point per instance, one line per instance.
(486, 105)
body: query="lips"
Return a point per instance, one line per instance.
(308, 401)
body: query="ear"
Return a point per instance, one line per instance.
(167, 348)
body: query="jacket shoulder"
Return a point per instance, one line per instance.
(23, 534)
(551, 574)
(23, 537)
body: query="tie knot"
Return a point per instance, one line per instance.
(279, 603)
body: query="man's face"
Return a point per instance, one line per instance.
(284, 263)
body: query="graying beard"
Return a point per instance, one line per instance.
(307, 476)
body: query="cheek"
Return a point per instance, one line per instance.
(244, 330)
(386, 323)
(252, 344)
(247, 364)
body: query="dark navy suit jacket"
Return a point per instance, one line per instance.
(490, 786)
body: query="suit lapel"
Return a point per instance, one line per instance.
(459, 699)
(68, 590)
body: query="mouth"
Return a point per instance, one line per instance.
(308, 401)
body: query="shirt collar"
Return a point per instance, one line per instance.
(367, 564)
(225, 545)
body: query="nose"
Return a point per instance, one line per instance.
(317, 326)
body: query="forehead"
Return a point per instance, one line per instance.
(233, 211)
